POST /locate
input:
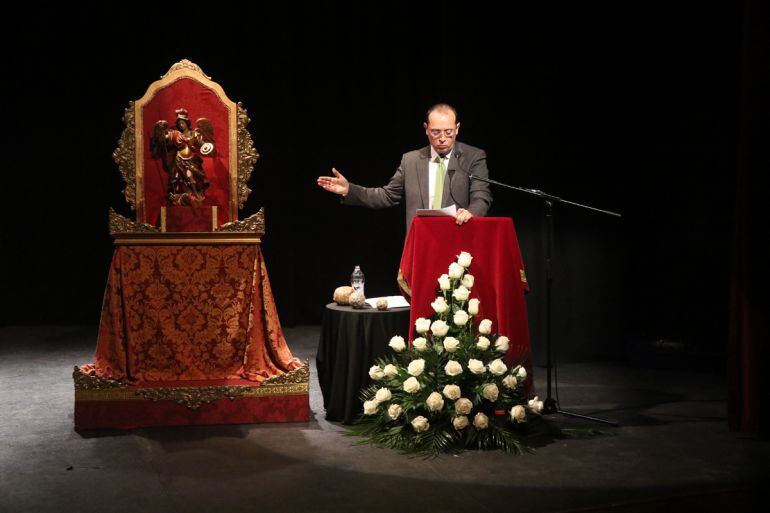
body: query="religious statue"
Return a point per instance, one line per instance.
(180, 150)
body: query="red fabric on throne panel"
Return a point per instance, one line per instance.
(174, 313)
(200, 102)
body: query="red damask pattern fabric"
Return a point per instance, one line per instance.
(174, 313)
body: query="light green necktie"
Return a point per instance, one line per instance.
(438, 190)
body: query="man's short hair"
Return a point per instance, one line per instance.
(441, 107)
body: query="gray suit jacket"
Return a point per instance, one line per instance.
(409, 184)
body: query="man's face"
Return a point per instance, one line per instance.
(442, 129)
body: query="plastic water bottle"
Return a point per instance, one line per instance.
(357, 280)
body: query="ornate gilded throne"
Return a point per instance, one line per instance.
(189, 331)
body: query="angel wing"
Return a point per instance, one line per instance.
(159, 144)
(158, 139)
(206, 129)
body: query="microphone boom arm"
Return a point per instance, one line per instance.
(544, 195)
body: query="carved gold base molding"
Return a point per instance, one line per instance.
(246, 231)
(177, 238)
(90, 387)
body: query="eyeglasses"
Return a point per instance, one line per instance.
(447, 132)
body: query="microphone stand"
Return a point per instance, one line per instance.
(550, 405)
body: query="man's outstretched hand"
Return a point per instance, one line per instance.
(337, 184)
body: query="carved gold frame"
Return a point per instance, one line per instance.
(129, 155)
(90, 387)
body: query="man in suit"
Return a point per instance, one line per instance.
(435, 176)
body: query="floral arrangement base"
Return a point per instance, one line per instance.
(450, 389)
(101, 403)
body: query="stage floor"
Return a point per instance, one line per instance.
(673, 452)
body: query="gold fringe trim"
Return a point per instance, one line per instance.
(403, 284)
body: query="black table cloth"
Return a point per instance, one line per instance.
(350, 342)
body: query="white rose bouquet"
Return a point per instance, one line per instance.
(451, 388)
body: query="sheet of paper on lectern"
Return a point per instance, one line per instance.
(393, 301)
(450, 211)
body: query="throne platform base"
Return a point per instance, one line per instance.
(103, 404)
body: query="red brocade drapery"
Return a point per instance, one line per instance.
(500, 283)
(175, 313)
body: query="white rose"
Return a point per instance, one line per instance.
(536, 405)
(461, 293)
(416, 367)
(464, 259)
(370, 407)
(422, 325)
(518, 414)
(420, 344)
(461, 317)
(453, 368)
(439, 305)
(460, 422)
(510, 382)
(390, 370)
(473, 306)
(483, 343)
(394, 411)
(497, 367)
(476, 366)
(463, 406)
(485, 327)
(468, 280)
(397, 344)
(411, 385)
(501, 344)
(420, 424)
(383, 395)
(434, 402)
(452, 392)
(456, 270)
(439, 328)
(443, 282)
(522, 372)
(375, 372)
(451, 344)
(490, 392)
(481, 421)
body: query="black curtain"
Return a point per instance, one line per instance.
(750, 300)
(631, 108)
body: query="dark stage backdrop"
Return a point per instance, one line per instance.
(631, 108)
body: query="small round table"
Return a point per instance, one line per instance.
(351, 340)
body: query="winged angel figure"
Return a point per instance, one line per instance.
(180, 150)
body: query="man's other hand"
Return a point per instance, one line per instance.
(463, 216)
(337, 184)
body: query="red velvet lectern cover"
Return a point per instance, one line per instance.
(434, 242)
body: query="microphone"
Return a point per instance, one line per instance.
(450, 173)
